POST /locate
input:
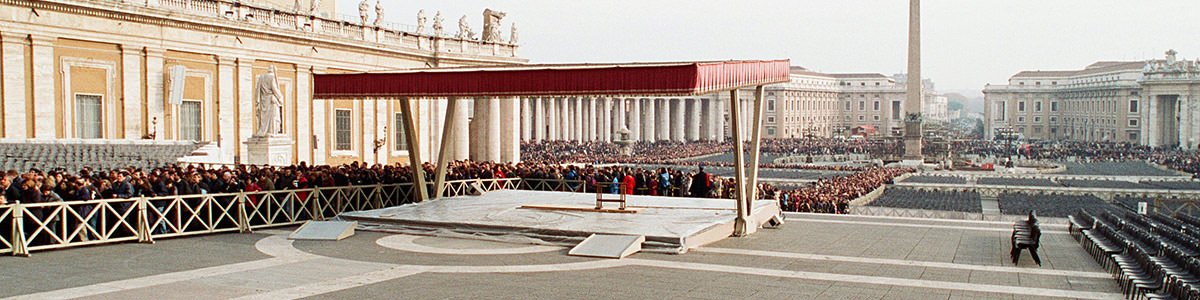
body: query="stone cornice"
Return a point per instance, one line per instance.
(169, 18)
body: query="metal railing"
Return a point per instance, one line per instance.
(56, 225)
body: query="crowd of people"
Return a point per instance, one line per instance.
(1171, 157)
(558, 152)
(833, 195)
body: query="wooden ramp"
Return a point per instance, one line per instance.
(609, 246)
(324, 231)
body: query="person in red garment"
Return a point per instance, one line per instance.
(628, 181)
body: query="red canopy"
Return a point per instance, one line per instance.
(666, 79)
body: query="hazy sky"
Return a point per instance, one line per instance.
(966, 43)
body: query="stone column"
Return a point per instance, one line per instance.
(677, 120)
(226, 107)
(577, 118)
(245, 101)
(539, 119)
(552, 127)
(131, 90)
(509, 129)
(564, 119)
(462, 134)
(13, 45)
(589, 119)
(635, 119)
(693, 119)
(705, 119)
(648, 130)
(618, 116)
(43, 89)
(662, 110)
(479, 130)
(718, 119)
(303, 119)
(526, 119)
(605, 119)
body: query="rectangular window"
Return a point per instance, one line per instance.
(770, 105)
(876, 118)
(1133, 105)
(190, 120)
(1133, 123)
(88, 124)
(1054, 106)
(847, 105)
(876, 105)
(862, 105)
(1037, 106)
(1001, 110)
(861, 118)
(1133, 135)
(401, 140)
(770, 130)
(342, 129)
(1053, 119)
(1037, 119)
(1020, 119)
(1021, 106)
(895, 110)
(770, 119)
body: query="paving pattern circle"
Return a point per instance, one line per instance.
(465, 247)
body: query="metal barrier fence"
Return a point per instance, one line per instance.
(56, 225)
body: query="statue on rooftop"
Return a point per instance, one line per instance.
(464, 29)
(316, 4)
(378, 14)
(363, 7)
(420, 22)
(437, 24)
(513, 34)
(491, 25)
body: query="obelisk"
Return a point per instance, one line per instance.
(912, 101)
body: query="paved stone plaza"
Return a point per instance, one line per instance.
(811, 257)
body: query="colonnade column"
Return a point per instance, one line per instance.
(718, 119)
(478, 128)
(552, 125)
(131, 78)
(677, 120)
(461, 139)
(510, 140)
(589, 118)
(705, 119)
(605, 119)
(693, 119)
(526, 119)
(494, 116)
(663, 109)
(577, 117)
(564, 119)
(618, 116)
(648, 130)
(539, 119)
(635, 119)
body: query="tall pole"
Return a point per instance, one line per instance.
(912, 104)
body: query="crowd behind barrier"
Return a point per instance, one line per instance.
(1171, 157)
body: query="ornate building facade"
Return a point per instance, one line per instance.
(824, 105)
(1144, 102)
(186, 69)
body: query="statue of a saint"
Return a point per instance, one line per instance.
(378, 13)
(420, 22)
(268, 101)
(437, 24)
(316, 5)
(491, 25)
(513, 34)
(362, 11)
(464, 29)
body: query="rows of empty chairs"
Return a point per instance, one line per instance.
(1174, 185)
(74, 154)
(1135, 168)
(1047, 205)
(936, 179)
(963, 201)
(1151, 256)
(1016, 181)
(1131, 203)
(1109, 184)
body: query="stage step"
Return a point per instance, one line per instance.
(609, 246)
(324, 231)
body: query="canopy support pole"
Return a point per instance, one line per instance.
(755, 146)
(740, 223)
(444, 154)
(414, 155)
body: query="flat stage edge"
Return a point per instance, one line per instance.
(691, 237)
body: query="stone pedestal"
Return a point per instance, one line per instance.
(269, 150)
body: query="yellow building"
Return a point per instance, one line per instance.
(185, 70)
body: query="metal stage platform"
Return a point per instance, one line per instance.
(670, 224)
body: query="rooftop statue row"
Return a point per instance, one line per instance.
(1172, 65)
